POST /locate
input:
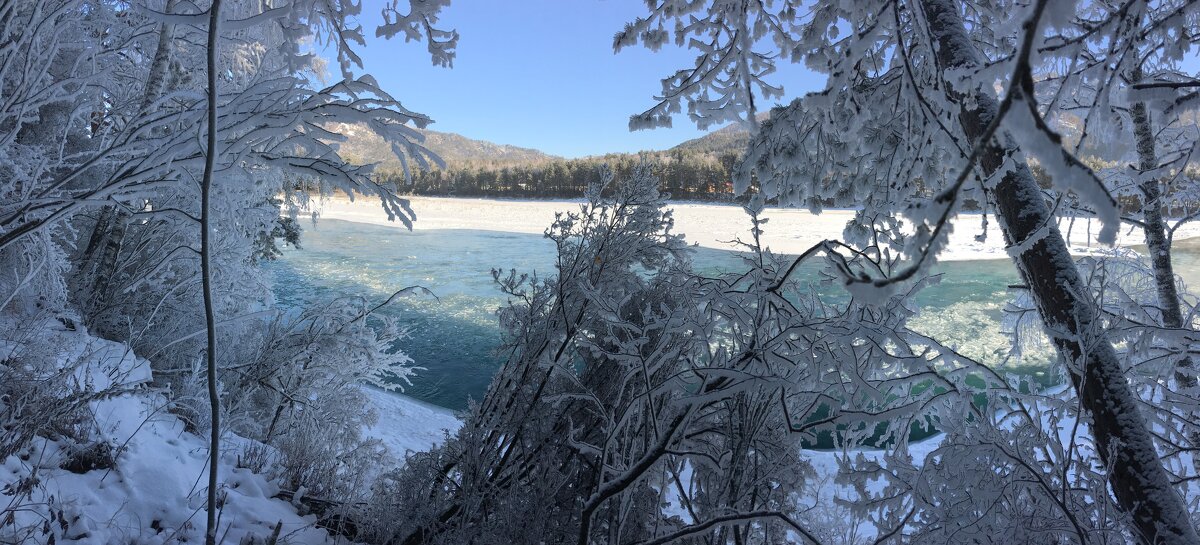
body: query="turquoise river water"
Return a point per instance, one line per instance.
(453, 335)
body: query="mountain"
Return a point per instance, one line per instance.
(730, 138)
(364, 146)
(698, 169)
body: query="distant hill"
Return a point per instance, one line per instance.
(364, 146)
(730, 138)
(458, 151)
(699, 169)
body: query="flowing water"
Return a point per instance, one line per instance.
(453, 335)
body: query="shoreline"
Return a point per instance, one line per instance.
(406, 424)
(713, 225)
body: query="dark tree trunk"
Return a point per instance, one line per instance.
(110, 250)
(1156, 233)
(206, 274)
(1135, 474)
(104, 246)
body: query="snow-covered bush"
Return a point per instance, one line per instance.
(526, 460)
(927, 105)
(40, 394)
(642, 401)
(299, 391)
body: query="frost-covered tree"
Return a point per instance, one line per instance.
(644, 402)
(909, 127)
(127, 115)
(1112, 82)
(638, 403)
(115, 150)
(729, 70)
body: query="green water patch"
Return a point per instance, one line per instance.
(454, 335)
(1028, 378)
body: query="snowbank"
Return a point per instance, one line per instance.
(155, 492)
(789, 231)
(408, 425)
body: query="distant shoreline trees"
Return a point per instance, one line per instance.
(704, 175)
(684, 175)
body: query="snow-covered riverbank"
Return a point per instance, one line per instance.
(141, 479)
(147, 484)
(409, 425)
(789, 231)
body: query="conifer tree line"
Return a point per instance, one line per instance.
(683, 174)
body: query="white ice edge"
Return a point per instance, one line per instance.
(710, 225)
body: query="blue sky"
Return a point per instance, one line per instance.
(540, 74)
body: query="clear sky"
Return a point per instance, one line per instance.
(540, 74)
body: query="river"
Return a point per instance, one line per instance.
(453, 335)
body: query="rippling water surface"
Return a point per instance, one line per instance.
(454, 335)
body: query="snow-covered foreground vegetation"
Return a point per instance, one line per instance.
(120, 467)
(126, 469)
(154, 153)
(129, 471)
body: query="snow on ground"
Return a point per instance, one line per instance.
(408, 425)
(789, 231)
(155, 492)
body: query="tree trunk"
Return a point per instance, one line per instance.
(1157, 243)
(108, 234)
(206, 273)
(110, 250)
(1135, 474)
(157, 78)
(1156, 232)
